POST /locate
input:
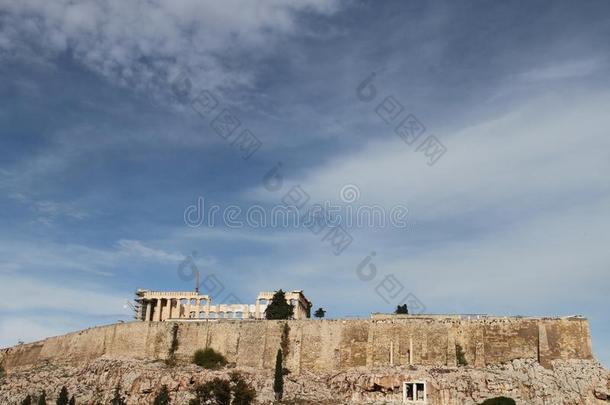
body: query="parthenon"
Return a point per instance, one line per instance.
(169, 305)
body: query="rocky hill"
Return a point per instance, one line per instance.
(570, 382)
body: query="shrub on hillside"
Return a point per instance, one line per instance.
(499, 401)
(209, 358)
(235, 391)
(217, 391)
(243, 393)
(162, 397)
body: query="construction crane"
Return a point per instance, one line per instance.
(135, 308)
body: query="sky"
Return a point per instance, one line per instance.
(487, 124)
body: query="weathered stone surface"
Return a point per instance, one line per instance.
(534, 360)
(327, 345)
(570, 382)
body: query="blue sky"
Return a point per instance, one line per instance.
(99, 159)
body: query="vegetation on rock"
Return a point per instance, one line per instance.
(118, 399)
(235, 391)
(401, 309)
(285, 342)
(42, 399)
(460, 356)
(243, 393)
(171, 355)
(162, 397)
(63, 398)
(499, 401)
(209, 358)
(320, 312)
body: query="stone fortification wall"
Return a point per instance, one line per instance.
(324, 345)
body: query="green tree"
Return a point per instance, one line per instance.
(279, 308)
(243, 393)
(27, 400)
(460, 355)
(72, 401)
(320, 312)
(118, 399)
(217, 392)
(499, 401)
(62, 399)
(278, 379)
(401, 309)
(162, 397)
(209, 358)
(42, 399)
(235, 391)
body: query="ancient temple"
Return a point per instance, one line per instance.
(191, 305)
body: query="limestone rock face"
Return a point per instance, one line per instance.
(569, 382)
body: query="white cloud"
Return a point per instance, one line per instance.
(45, 257)
(564, 70)
(514, 218)
(26, 293)
(143, 44)
(545, 152)
(137, 248)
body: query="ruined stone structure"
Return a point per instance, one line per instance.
(180, 305)
(327, 345)
(409, 359)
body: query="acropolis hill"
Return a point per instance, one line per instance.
(525, 357)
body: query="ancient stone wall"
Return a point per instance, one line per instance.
(324, 345)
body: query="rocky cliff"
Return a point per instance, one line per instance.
(571, 382)
(461, 360)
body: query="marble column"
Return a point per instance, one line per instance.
(158, 310)
(148, 309)
(170, 303)
(197, 308)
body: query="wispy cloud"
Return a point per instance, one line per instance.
(562, 70)
(138, 249)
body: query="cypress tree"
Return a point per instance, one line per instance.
(278, 380)
(63, 396)
(118, 399)
(27, 400)
(72, 401)
(42, 399)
